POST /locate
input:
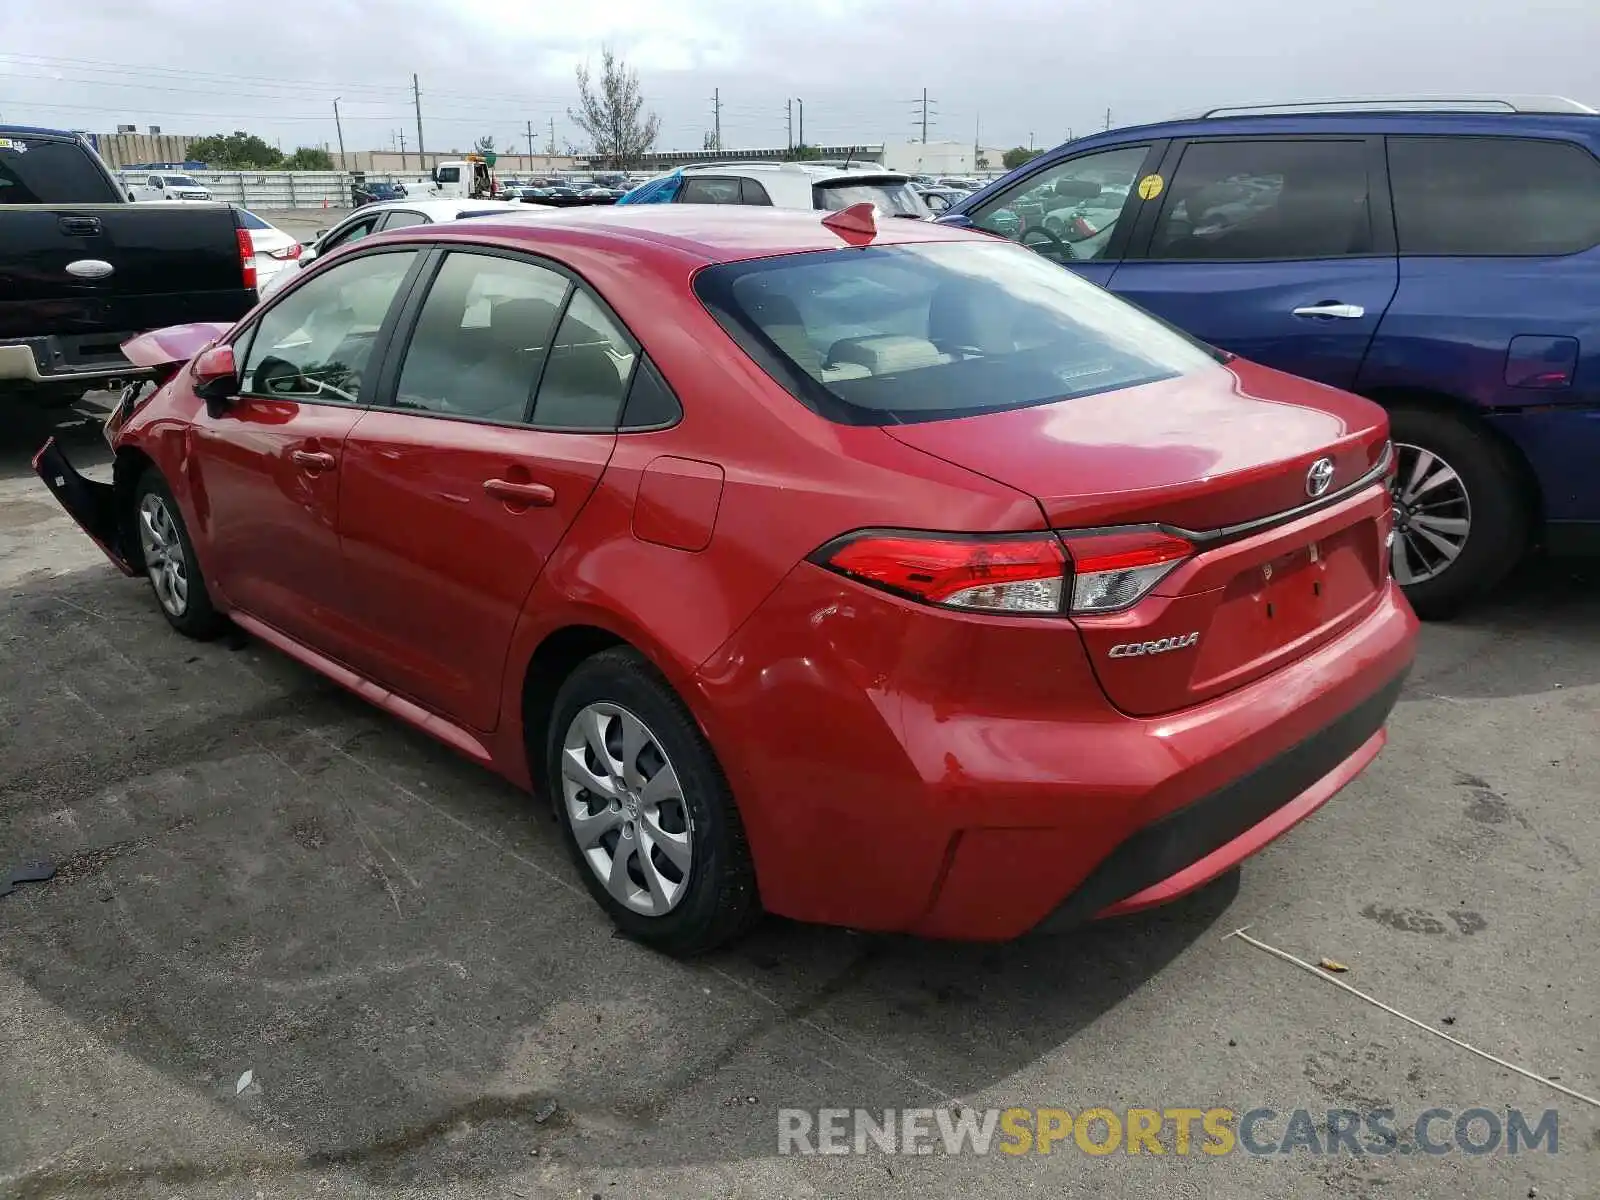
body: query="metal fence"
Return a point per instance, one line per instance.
(285, 189)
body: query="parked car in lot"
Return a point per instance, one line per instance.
(861, 570)
(164, 185)
(376, 191)
(275, 250)
(382, 215)
(82, 269)
(1442, 258)
(783, 185)
(939, 199)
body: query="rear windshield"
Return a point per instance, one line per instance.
(891, 196)
(35, 171)
(883, 335)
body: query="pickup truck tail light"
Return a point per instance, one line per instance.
(247, 257)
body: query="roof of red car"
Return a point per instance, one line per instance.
(709, 232)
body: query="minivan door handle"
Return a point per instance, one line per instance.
(1332, 308)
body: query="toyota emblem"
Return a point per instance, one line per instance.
(1319, 477)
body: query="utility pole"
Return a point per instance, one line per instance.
(801, 105)
(924, 116)
(977, 140)
(788, 106)
(337, 125)
(402, 134)
(530, 145)
(416, 98)
(550, 150)
(1108, 118)
(716, 118)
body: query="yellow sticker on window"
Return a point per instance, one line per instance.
(1150, 187)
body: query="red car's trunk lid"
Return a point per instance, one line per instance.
(1206, 453)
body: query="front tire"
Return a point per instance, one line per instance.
(170, 562)
(645, 810)
(1461, 514)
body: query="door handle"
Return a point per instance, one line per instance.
(535, 495)
(312, 460)
(1330, 308)
(79, 226)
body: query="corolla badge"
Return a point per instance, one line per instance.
(1319, 477)
(1181, 641)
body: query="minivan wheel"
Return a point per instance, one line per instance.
(169, 561)
(645, 810)
(1460, 514)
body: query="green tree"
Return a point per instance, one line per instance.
(233, 150)
(1016, 156)
(309, 158)
(613, 115)
(982, 163)
(804, 153)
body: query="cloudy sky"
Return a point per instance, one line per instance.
(1014, 69)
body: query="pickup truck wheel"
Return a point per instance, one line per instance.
(1460, 513)
(645, 810)
(170, 563)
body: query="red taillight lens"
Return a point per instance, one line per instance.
(286, 252)
(1112, 570)
(997, 575)
(247, 257)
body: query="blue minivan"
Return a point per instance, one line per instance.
(1439, 257)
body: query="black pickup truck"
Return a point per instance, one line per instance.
(82, 270)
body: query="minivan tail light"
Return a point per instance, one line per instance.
(247, 257)
(1017, 575)
(1117, 568)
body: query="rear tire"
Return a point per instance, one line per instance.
(170, 562)
(631, 775)
(1451, 471)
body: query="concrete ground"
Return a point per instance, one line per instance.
(294, 949)
(302, 223)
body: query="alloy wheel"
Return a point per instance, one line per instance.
(626, 809)
(1432, 515)
(163, 554)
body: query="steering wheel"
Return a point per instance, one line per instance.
(279, 377)
(1057, 246)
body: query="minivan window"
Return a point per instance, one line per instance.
(1266, 199)
(895, 198)
(36, 171)
(1493, 196)
(895, 334)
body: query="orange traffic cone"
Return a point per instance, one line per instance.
(324, 202)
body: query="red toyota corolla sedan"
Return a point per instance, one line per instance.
(877, 574)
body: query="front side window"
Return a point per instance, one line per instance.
(449, 174)
(1493, 196)
(708, 189)
(1067, 212)
(893, 334)
(1266, 200)
(482, 338)
(315, 345)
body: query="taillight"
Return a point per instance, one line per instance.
(1117, 568)
(1030, 573)
(285, 252)
(977, 574)
(247, 257)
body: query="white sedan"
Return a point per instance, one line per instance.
(277, 252)
(388, 214)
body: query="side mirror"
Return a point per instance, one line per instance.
(434, 174)
(215, 373)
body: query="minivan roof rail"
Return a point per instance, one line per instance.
(1505, 104)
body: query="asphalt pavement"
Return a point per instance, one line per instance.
(293, 948)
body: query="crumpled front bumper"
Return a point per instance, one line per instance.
(93, 505)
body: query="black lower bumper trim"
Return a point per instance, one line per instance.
(91, 504)
(1180, 839)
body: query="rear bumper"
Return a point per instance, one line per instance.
(93, 505)
(902, 769)
(61, 360)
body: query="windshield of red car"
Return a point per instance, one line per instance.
(893, 334)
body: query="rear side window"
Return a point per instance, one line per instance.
(1493, 196)
(249, 220)
(591, 365)
(1267, 199)
(35, 171)
(891, 334)
(751, 192)
(706, 189)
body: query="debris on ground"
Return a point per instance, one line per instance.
(245, 1081)
(1337, 968)
(544, 1112)
(29, 872)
